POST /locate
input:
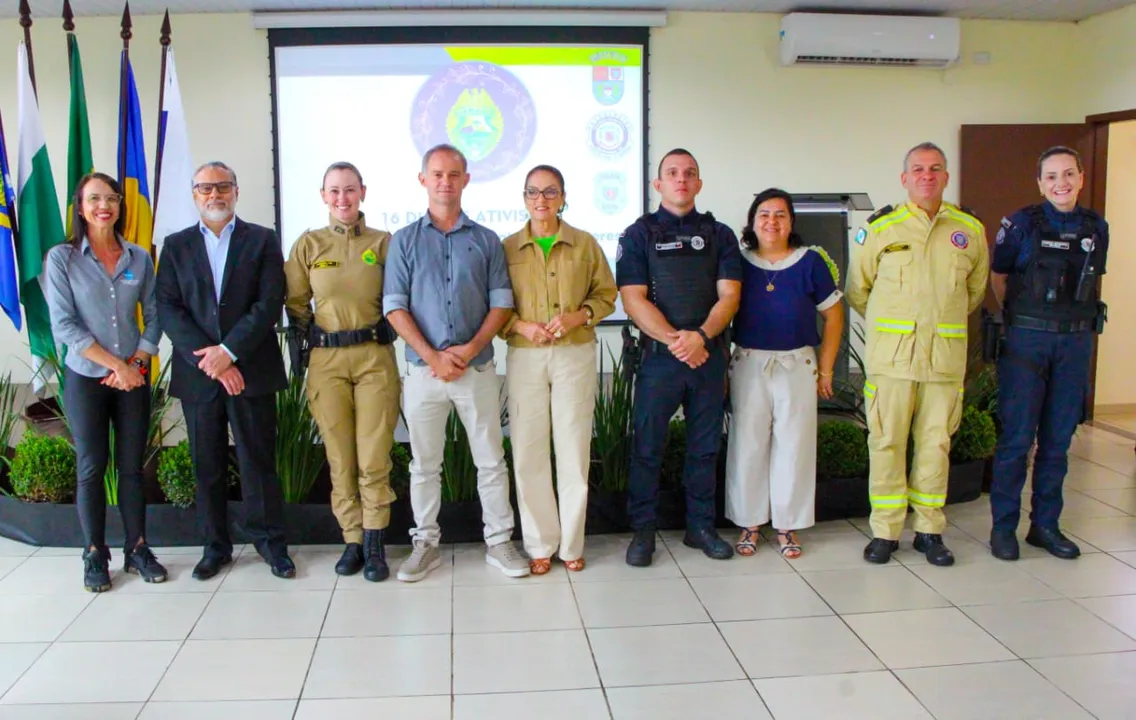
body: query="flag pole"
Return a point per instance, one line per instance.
(69, 28)
(26, 24)
(165, 42)
(123, 104)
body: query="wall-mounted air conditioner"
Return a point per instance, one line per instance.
(901, 41)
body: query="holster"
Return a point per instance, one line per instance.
(299, 349)
(993, 325)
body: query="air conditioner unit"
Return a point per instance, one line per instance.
(902, 41)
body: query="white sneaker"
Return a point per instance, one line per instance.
(508, 559)
(422, 560)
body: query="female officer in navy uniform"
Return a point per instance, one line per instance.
(1047, 262)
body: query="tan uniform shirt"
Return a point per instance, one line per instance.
(341, 266)
(574, 275)
(916, 280)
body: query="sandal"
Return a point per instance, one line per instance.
(747, 543)
(540, 566)
(575, 565)
(790, 549)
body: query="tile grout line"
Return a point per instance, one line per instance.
(591, 649)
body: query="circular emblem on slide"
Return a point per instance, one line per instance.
(610, 192)
(958, 239)
(609, 135)
(481, 109)
(697, 242)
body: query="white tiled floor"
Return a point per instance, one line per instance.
(825, 636)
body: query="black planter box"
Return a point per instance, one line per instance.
(965, 481)
(839, 498)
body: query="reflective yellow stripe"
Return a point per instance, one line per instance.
(925, 500)
(869, 390)
(888, 501)
(963, 218)
(891, 219)
(949, 330)
(899, 327)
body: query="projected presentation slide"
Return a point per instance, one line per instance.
(507, 108)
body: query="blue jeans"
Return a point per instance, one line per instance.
(662, 385)
(1042, 381)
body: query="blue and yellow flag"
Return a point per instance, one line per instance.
(9, 285)
(132, 165)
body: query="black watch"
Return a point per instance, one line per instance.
(705, 337)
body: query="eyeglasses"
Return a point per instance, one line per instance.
(549, 193)
(222, 188)
(109, 199)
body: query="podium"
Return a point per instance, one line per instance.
(822, 219)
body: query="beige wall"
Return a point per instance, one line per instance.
(1117, 345)
(716, 88)
(1108, 46)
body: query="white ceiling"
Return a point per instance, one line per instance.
(1061, 10)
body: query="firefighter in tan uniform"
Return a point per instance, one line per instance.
(918, 272)
(353, 381)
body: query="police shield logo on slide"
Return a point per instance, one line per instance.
(607, 84)
(481, 109)
(610, 193)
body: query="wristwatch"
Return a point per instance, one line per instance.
(705, 337)
(590, 314)
(141, 365)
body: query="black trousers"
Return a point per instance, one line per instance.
(253, 420)
(92, 409)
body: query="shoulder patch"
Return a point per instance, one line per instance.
(880, 213)
(969, 212)
(861, 235)
(828, 261)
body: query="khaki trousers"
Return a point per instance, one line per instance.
(930, 413)
(552, 393)
(353, 393)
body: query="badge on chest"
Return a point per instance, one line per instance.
(681, 245)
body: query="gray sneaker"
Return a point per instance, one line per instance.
(508, 559)
(422, 560)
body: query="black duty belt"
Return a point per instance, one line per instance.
(381, 334)
(1057, 326)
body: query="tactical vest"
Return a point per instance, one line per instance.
(1059, 284)
(683, 265)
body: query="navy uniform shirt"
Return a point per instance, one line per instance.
(631, 257)
(1012, 245)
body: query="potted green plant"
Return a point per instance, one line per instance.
(43, 469)
(971, 446)
(175, 475)
(9, 416)
(611, 442)
(842, 470)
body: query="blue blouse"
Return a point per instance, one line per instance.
(785, 317)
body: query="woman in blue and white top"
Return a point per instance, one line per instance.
(776, 375)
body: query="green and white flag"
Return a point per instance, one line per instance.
(41, 227)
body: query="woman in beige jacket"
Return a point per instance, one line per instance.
(562, 287)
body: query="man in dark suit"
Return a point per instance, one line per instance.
(220, 293)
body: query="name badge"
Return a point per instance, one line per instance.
(321, 264)
(677, 245)
(1055, 244)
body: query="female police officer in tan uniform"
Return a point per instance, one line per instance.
(353, 383)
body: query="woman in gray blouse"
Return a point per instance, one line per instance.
(94, 285)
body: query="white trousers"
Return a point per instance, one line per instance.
(477, 398)
(552, 393)
(771, 454)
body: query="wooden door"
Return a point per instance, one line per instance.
(997, 175)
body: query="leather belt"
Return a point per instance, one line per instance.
(1057, 326)
(381, 334)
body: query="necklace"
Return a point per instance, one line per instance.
(769, 279)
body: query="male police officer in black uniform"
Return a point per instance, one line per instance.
(1047, 262)
(679, 274)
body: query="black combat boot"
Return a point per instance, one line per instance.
(375, 567)
(351, 561)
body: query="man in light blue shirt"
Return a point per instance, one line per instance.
(446, 292)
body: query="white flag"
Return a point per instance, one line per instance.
(176, 210)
